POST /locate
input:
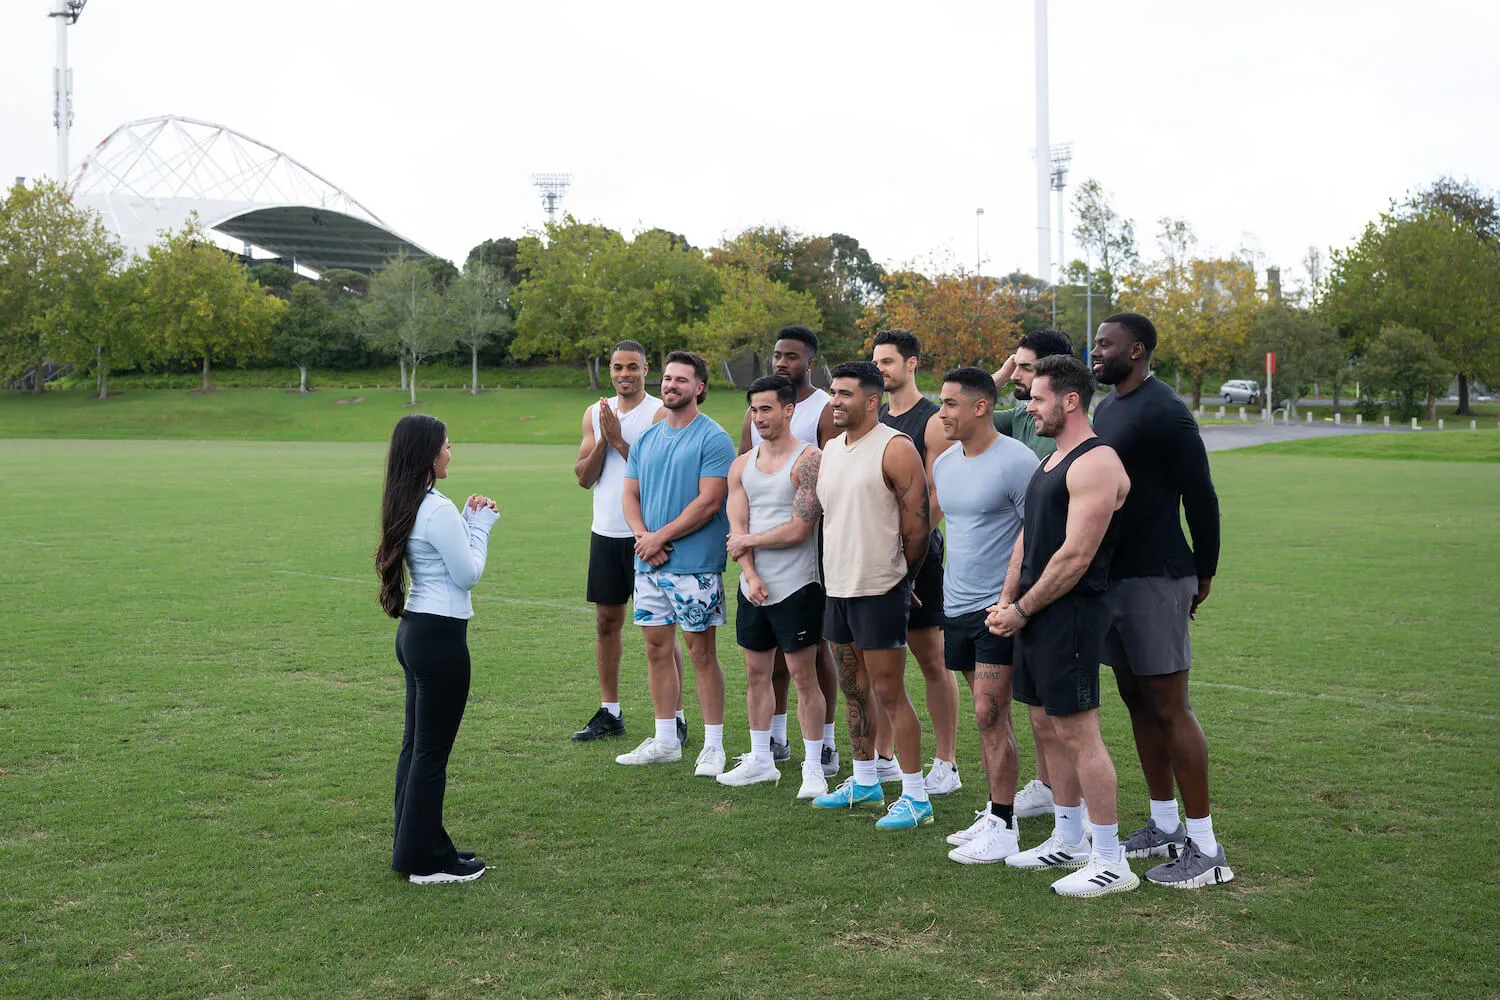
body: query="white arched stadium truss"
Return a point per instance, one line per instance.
(149, 176)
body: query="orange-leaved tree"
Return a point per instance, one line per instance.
(961, 318)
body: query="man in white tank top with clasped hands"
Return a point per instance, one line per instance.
(773, 520)
(610, 427)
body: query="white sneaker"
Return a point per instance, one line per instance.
(1052, 853)
(711, 763)
(995, 842)
(1097, 878)
(942, 778)
(981, 819)
(1033, 800)
(814, 781)
(748, 771)
(651, 752)
(887, 769)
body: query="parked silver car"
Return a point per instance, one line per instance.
(1239, 390)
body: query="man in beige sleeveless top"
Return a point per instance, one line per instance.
(876, 519)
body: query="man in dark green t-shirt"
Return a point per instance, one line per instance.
(1014, 421)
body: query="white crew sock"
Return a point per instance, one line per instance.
(829, 736)
(666, 732)
(913, 786)
(1067, 823)
(1201, 832)
(713, 736)
(681, 716)
(760, 745)
(778, 728)
(612, 707)
(1107, 843)
(1164, 815)
(864, 773)
(813, 750)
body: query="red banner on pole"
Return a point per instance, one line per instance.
(1271, 363)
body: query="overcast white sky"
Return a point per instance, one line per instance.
(1286, 125)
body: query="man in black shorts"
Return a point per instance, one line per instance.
(1053, 604)
(1156, 585)
(610, 428)
(897, 353)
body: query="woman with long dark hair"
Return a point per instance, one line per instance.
(424, 537)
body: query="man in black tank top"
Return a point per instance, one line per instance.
(1052, 604)
(896, 353)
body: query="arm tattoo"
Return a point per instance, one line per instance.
(805, 506)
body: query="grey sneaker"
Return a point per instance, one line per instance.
(887, 769)
(1192, 868)
(781, 751)
(830, 761)
(1150, 842)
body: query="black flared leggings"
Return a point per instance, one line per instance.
(433, 651)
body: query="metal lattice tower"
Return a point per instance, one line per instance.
(552, 188)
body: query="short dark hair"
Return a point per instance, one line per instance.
(976, 381)
(1045, 343)
(786, 393)
(868, 375)
(1141, 329)
(902, 340)
(1067, 374)
(629, 345)
(699, 366)
(802, 333)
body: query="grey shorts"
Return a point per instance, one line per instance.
(1148, 624)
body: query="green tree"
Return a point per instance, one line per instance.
(1429, 271)
(277, 278)
(343, 345)
(407, 313)
(563, 308)
(479, 302)
(659, 290)
(201, 304)
(301, 332)
(1107, 238)
(1404, 367)
(55, 262)
(502, 254)
(750, 309)
(1306, 349)
(117, 339)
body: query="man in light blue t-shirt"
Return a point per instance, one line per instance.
(980, 487)
(676, 481)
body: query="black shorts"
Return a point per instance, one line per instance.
(1149, 617)
(876, 622)
(611, 569)
(967, 641)
(1057, 655)
(929, 588)
(792, 623)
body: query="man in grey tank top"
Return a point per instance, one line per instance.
(773, 518)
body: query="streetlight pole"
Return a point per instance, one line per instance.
(978, 257)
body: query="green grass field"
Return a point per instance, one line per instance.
(200, 709)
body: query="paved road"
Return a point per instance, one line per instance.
(1222, 437)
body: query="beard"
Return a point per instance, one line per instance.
(1114, 371)
(1021, 393)
(677, 401)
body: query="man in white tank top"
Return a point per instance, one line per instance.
(876, 519)
(773, 519)
(610, 427)
(792, 358)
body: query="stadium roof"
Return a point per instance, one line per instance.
(151, 175)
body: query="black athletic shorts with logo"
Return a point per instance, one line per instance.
(929, 588)
(1058, 653)
(968, 641)
(611, 569)
(792, 623)
(875, 622)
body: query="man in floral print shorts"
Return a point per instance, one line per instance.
(676, 481)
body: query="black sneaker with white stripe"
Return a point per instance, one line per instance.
(1097, 878)
(603, 725)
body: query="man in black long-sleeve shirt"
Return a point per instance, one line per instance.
(1156, 584)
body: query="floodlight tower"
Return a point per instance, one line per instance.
(66, 12)
(1062, 156)
(1043, 147)
(552, 188)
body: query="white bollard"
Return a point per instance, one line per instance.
(1338, 418)
(1473, 425)
(1359, 420)
(1200, 411)
(1221, 413)
(1242, 413)
(1440, 423)
(1414, 424)
(1309, 416)
(1388, 420)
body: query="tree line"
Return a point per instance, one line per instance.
(1412, 304)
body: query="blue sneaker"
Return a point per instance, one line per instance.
(905, 813)
(849, 795)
